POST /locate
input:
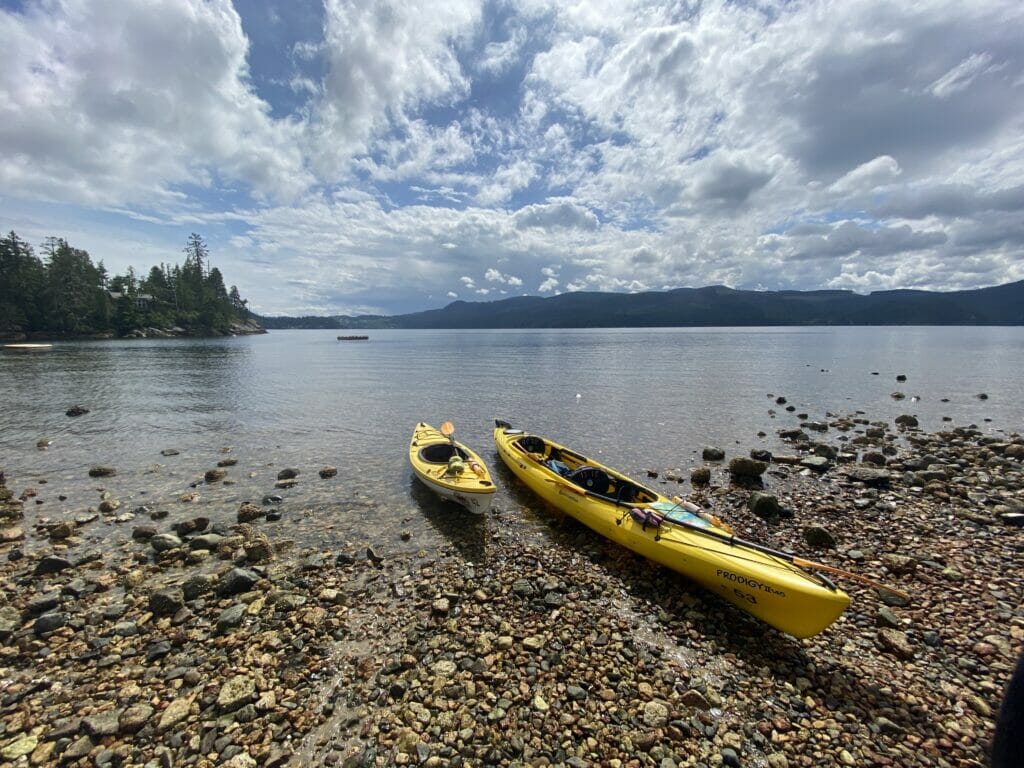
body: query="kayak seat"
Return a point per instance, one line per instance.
(592, 479)
(439, 453)
(531, 444)
(625, 493)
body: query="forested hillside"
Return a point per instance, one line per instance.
(64, 294)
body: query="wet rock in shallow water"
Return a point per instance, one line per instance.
(168, 452)
(197, 585)
(227, 462)
(819, 537)
(52, 564)
(874, 458)
(872, 477)
(8, 535)
(700, 476)
(907, 421)
(208, 541)
(272, 499)
(109, 505)
(188, 527)
(166, 602)
(288, 474)
(711, 453)
(743, 467)
(327, 472)
(760, 454)
(816, 463)
(164, 541)
(144, 532)
(236, 581)
(825, 451)
(249, 512)
(214, 475)
(102, 472)
(258, 548)
(76, 410)
(62, 530)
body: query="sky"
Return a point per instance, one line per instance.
(389, 157)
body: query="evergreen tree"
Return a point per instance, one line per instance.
(72, 282)
(21, 281)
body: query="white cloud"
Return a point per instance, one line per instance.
(961, 76)
(778, 145)
(874, 173)
(494, 276)
(98, 106)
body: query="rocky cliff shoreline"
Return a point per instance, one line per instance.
(204, 642)
(239, 328)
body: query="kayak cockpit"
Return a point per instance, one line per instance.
(578, 470)
(440, 453)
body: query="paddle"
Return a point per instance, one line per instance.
(850, 575)
(448, 429)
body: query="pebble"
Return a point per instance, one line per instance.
(558, 649)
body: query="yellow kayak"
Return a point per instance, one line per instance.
(764, 582)
(450, 469)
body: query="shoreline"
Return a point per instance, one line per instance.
(544, 646)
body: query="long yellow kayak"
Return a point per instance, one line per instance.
(764, 582)
(450, 469)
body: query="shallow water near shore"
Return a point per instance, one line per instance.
(636, 399)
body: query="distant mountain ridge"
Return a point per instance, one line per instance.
(714, 305)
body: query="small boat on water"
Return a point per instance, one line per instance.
(353, 338)
(28, 347)
(450, 469)
(766, 583)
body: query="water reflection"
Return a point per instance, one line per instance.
(467, 532)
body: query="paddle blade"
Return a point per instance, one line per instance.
(447, 429)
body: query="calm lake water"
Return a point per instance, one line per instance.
(637, 399)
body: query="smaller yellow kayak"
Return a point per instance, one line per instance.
(449, 468)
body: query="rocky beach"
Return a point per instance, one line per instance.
(216, 640)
